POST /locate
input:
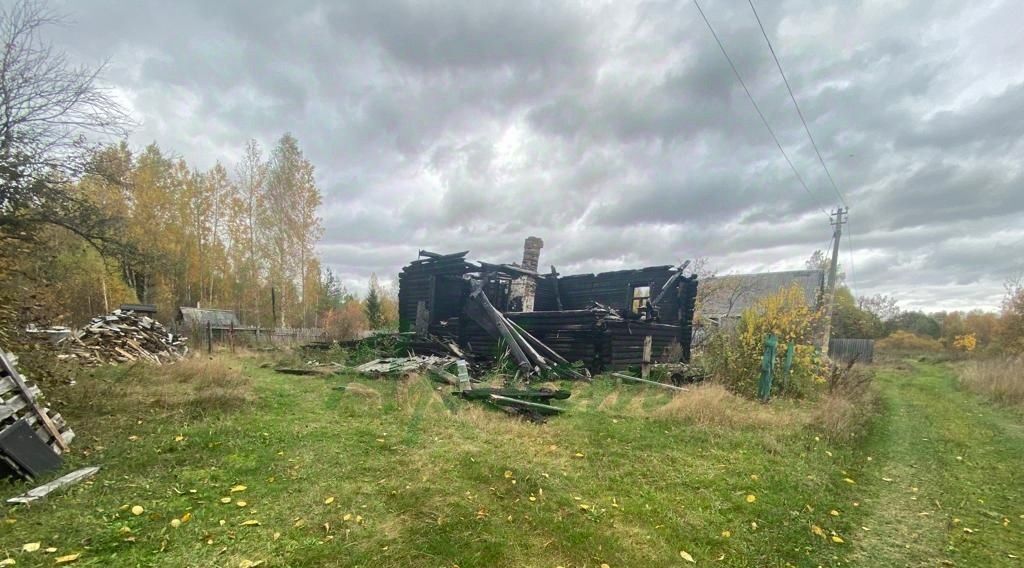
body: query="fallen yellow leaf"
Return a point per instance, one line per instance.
(225, 500)
(8, 562)
(175, 523)
(50, 550)
(818, 530)
(726, 534)
(68, 558)
(686, 556)
(179, 438)
(137, 510)
(250, 564)
(836, 539)
(251, 523)
(241, 503)
(238, 488)
(186, 517)
(347, 517)
(508, 474)
(751, 498)
(834, 513)
(328, 500)
(30, 547)
(848, 480)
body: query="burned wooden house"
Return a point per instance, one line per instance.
(607, 321)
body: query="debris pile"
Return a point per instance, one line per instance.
(121, 337)
(402, 365)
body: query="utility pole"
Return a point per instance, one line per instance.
(839, 218)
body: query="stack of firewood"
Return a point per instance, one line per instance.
(123, 337)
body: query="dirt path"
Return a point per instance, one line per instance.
(945, 485)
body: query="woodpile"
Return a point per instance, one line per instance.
(123, 337)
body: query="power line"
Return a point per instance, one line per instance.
(753, 102)
(797, 106)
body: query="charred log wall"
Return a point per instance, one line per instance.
(613, 289)
(438, 282)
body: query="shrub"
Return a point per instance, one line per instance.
(905, 342)
(1001, 380)
(734, 356)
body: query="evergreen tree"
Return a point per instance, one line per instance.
(372, 305)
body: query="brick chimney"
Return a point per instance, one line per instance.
(525, 287)
(531, 253)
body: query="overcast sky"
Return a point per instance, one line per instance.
(614, 131)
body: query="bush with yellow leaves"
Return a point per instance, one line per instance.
(734, 355)
(966, 343)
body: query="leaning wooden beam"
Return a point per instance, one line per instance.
(645, 381)
(537, 343)
(554, 355)
(42, 491)
(537, 359)
(478, 296)
(506, 401)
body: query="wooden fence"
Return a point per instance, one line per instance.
(845, 349)
(201, 336)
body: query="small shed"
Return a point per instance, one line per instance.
(200, 317)
(149, 309)
(725, 297)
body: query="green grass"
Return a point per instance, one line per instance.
(419, 478)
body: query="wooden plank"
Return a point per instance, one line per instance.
(645, 381)
(464, 380)
(506, 401)
(50, 426)
(62, 482)
(645, 368)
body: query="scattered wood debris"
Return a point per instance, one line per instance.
(401, 365)
(37, 493)
(21, 412)
(123, 337)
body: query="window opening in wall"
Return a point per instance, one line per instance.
(641, 297)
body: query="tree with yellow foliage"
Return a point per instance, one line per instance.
(734, 355)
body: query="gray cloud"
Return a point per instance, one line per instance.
(616, 132)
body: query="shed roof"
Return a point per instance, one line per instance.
(200, 316)
(729, 295)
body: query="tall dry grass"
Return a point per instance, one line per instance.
(195, 386)
(1001, 380)
(713, 405)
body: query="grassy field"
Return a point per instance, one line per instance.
(347, 471)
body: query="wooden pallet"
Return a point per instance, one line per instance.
(19, 398)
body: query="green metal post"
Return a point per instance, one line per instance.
(764, 388)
